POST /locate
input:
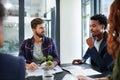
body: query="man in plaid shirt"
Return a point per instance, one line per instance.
(33, 49)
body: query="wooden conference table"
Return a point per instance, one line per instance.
(60, 75)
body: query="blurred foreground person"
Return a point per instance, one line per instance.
(11, 68)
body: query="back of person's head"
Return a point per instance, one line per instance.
(114, 29)
(2, 14)
(2, 11)
(101, 19)
(35, 22)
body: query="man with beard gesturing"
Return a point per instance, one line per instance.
(33, 49)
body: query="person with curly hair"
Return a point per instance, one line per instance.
(97, 45)
(113, 42)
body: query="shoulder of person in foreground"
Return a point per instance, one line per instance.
(12, 67)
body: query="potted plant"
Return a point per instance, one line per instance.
(48, 61)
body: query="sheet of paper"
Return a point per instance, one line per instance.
(77, 70)
(37, 72)
(69, 77)
(40, 71)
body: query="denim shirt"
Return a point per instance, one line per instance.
(48, 48)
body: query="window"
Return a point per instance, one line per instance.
(33, 8)
(105, 6)
(85, 23)
(11, 27)
(38, 8)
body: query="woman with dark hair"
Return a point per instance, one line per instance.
(113, 42)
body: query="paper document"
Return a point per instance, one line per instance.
(69, 77)
(40, 71)
(77, 70)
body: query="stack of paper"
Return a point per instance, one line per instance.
(77, 70)
(40, 71)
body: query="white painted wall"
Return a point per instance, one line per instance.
(70, 30)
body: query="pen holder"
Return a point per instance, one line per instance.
(47, 75)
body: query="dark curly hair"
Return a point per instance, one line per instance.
(114, 29)
(101, 19)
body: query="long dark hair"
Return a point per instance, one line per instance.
(114, 29)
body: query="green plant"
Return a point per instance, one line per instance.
(49, 63)
(48, 60)
(43, 59)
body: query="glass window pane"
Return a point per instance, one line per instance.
(85, 23)
(38, 8)
(105, 6)
(11, 27)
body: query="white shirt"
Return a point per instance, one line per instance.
(97, 44)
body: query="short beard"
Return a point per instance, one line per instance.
(40, 35)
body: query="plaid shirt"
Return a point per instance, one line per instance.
(48, 48)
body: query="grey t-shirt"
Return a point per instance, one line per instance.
(37, 53)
